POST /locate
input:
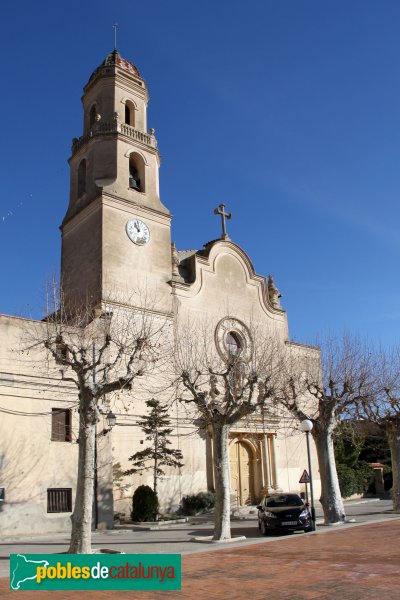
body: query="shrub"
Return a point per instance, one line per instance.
(346, 480)
(387, 478)
(144, 504)
(197, 502)
(365, 476)
(354, 481)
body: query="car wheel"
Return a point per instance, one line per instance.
(263, 529)
(307, 529)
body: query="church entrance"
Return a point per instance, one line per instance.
(242, 472)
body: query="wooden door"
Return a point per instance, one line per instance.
(234, 469)
(241, 465)
(246, 471)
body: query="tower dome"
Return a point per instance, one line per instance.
(114, 59)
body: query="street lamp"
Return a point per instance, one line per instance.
(306, 426)
(111, 419)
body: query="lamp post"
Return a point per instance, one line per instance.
(306, 426)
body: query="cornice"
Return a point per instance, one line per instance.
(167, 314)
(163, 215)
(107, 199)
(78, 217)
(120, 76)
(305, 346)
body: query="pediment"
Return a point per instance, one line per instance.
(228, 265)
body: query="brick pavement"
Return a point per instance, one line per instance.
(355, 563)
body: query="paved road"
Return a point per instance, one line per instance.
(365, 510)
(177, 538)
(351, 563)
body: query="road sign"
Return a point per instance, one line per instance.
(305, 478)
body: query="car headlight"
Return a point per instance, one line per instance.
(304, 513)
(270, 515)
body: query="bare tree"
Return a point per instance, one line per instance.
(383, 408)
(222, 388)
(321, 388)
(100, 350)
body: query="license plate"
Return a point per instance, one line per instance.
(289, 522)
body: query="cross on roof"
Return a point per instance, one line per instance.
(221, 211)
(115, 25)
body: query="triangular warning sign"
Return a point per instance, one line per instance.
(305, 478)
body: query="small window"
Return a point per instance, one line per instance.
(59, 500)
(136, 172)
(61, 354)
(61, 425)
(233, 343)
(129, 113)
(92, 116)
(82, 178)
(134, 179)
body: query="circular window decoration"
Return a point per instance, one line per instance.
(233, 340)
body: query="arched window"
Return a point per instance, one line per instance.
(129, 113)
(136, 172)
(82, 178)
(92, 116)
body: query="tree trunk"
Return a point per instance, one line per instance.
(155, 463)
(81, 533)
(222, 524)
(393, 436)
(331, 498)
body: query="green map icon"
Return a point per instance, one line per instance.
(24, 569)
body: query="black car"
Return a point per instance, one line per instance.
(283, 512)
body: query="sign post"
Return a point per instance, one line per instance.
(305, 478)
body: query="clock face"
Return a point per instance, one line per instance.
(138, 232)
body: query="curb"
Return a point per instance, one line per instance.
(208, 539)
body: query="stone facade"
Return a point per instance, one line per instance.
(116, 239)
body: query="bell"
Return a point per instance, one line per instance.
(134, 183)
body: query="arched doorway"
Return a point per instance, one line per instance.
(242, 472)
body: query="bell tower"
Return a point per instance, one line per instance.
(116, 232)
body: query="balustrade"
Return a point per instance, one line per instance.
(115, 127)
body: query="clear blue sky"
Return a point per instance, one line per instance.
(287, 111)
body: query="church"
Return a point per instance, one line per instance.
(116, 236)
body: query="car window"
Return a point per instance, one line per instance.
(283, 500)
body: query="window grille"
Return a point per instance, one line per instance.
(59, 500)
